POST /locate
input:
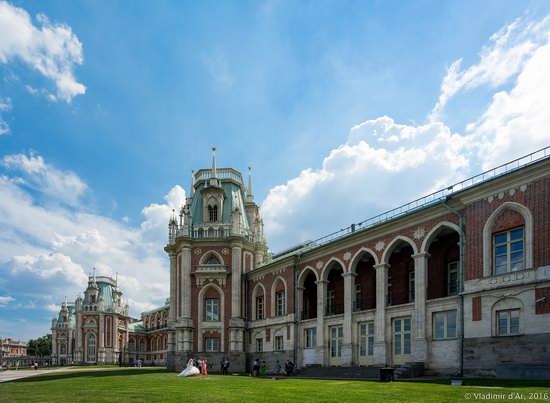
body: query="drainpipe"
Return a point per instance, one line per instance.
(296, 313)
(460, 277)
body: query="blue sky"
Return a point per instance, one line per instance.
(343, 109)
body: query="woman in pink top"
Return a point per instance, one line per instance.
(203, 369)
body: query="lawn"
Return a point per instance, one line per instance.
(155, 384)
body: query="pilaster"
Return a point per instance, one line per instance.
(380, 345)
(419, 344)
(347, 347)
(320, 350)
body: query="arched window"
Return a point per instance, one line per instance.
(63, 349)
(142, 345)
(91, 347)
(212, 213)
(131, 345)
(213, 260)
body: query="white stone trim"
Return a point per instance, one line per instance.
(434, 231)
(488, 236)
(326, 269)
(303, 274)
(395, 241)
(254, 293)
(273, 301)
(205, 255)
(200, 316)
(355, 258)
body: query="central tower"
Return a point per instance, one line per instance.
(216, 240)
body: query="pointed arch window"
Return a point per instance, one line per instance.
(91, 347)
(213, 260)
(213, 213)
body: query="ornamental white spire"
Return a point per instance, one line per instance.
(192, 190)
(214, 173)
(249, 196)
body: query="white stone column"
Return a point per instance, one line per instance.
(299, 302)
(101, 339)
(236, 270)
(173, 285)
(419, 343)
(185, 287)
(320, 351)
(347, 347)
(258, 258)
(380, 344)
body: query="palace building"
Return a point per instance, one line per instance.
(454, 282)
(457, 282)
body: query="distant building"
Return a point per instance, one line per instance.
(97, 329)
(12, 348)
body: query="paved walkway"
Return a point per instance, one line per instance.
(6, 376)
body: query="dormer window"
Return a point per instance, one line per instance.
(213, 213)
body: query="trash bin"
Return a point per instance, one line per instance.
(386, 374)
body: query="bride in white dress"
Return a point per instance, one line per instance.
(190, 370)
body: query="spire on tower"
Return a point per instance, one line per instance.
(192, 190)
(249, 196)
(213, 175)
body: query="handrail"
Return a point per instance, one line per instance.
(424, 201)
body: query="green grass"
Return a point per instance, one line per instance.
(155, 384)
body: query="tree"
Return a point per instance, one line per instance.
(40, 347)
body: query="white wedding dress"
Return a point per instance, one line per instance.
(191, 370)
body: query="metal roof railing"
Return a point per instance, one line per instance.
(423, 202)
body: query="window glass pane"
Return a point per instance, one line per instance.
(517, 246)
(451, 324)
(501, 260)
(439, 326)
(501, 250)
(371, 345)
(502, 325)
(500, 238)
(514, 325)
(397, 325)
(517, 266)
(501, 269)
(407, 343)
(516, 234)
(363, 330)
(371, 328)
(340, 332)
(397, 344)
(363, 346)
(407, 325)
(517, 256)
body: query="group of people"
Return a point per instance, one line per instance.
(259, 368)
(195, 367)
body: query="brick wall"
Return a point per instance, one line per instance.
(476, 309)
(542, 307)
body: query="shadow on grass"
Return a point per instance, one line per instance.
(90, 374)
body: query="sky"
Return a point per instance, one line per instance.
(344, 109)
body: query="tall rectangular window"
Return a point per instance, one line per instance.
(452, 278)
(366, 341)
(259, 345)
(259, 308)
(212, 309)
(444, 325)
(279, 343)
(311, 337)
(507, 322)
(331, 307)
(281, 303)
(212, 344)
(508, 251)
(358, 297)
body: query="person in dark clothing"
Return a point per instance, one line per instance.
(256, 367)
(225, 366)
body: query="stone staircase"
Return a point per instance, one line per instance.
(317, 371)
(409, 370)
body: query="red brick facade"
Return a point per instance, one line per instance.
(542, 300)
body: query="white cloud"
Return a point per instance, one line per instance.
(358, 179)
(501, 59)
(46, 251)
(52, 49)
(5, 300)
(5, 106)
(65, 186)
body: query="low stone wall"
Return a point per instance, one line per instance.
(483, 355)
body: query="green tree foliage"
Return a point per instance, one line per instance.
(40, 347)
